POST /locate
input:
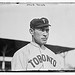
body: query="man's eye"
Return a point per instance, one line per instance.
(47, 30)
(41, 29)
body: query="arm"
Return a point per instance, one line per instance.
(19, 61)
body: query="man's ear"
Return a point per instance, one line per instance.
(31, 31)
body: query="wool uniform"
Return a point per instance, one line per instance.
(70, 60)
(34, 57)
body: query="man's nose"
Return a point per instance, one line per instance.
(45, 33)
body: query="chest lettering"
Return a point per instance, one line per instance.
(42, 58)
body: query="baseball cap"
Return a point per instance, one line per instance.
(39, 22)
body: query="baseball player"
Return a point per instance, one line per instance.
(35, 56)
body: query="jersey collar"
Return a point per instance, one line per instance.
(35, 44)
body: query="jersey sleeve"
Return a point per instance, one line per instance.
(19, 61)
(61, 61)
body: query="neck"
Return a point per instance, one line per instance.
(37, 42)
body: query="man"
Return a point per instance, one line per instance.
(35, 56)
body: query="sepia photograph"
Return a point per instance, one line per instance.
(37, 36)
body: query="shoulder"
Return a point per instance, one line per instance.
(23, 51)
(57, 56)
(50, 51)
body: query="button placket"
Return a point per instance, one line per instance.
(42, 60)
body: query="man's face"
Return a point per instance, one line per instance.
(41, 35)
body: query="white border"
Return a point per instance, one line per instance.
(37, 0)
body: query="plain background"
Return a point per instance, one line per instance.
(15, 20)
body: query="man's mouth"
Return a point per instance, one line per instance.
(44, 39)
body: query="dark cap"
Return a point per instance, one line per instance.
(37, 23)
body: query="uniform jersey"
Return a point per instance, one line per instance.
(33, 57)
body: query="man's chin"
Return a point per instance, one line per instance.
(44, 42)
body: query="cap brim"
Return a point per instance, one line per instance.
(43, 25)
